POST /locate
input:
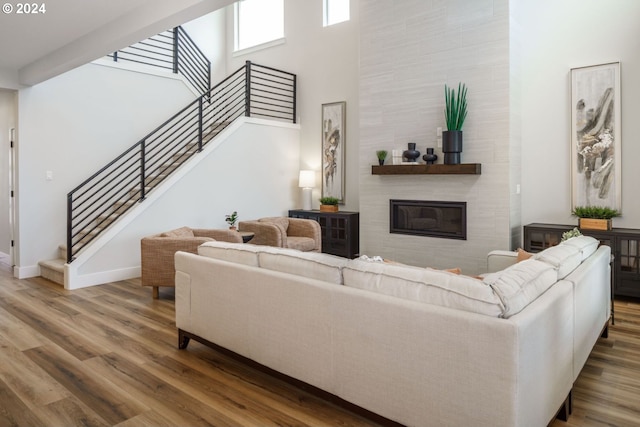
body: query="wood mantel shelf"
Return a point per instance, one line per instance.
(424, 169)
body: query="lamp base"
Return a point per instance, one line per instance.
(306, 199)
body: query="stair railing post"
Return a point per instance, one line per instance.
(295, 97)
(115, 56)
(247, 89)
(143, 144)
(200, 120)
(175, 50)
(69, 226)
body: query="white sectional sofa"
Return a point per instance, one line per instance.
(418, 346)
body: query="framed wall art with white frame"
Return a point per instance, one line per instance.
(596, 136)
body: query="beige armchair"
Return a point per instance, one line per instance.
(157, 252)
(293, 233)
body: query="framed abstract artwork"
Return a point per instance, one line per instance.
(333, 152)
(596, 136)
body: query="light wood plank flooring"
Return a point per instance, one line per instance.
(107, 356)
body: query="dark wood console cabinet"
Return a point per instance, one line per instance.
(624, 243)
(340, 230)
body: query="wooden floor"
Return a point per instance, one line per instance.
(107, 356)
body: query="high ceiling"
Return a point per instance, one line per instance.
(38, 46)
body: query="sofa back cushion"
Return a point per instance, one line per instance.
(587, 245)
(564, 258)
(423, 285)
(314, 265)
(517, 286)
(239, 253)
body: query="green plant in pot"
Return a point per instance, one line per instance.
(231, 219)
(329, 204)
(382, 155)
(455, 113)
(595, 217)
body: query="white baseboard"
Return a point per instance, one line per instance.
(26, 272)
(73, 280)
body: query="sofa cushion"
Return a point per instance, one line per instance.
(587, 245)
(239, 253)
(424, 285)
(517, 286)
(179, 232)
(314, 265)
(565, 258)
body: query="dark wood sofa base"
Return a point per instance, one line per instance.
(183, 341)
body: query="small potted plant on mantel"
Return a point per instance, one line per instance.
(595, 217)
(231, 219)
(382, 155)
(329, 204)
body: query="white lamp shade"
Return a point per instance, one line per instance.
(307, 179)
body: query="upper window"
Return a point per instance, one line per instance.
(258, 22)
(335, 11)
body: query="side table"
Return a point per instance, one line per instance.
(246, 235)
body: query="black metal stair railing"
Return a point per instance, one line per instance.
(171, 50)
(252, 90)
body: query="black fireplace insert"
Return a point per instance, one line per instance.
(429, 218)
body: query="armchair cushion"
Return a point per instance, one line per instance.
(157, 252)
(293, 233)
(178, 232)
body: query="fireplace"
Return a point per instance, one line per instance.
(428, 218)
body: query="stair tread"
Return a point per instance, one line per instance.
(54, 264)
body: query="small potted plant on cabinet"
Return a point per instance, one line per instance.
(329, 204)
(231, 219)
(595, 217)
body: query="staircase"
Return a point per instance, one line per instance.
(109, 194)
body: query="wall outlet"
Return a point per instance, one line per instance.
(439, 132)
(49, 175)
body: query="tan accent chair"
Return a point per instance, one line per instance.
(293, 233)
(157, 252)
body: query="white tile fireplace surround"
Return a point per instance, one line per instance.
(407, 55)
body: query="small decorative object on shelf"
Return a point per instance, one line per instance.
(382, 155)
(231, 219)
(329, 204)
(411, 154)
(595, 217)
(571, 233)
(396, 158)
(430, 157)
(455, 113)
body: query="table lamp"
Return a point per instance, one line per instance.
(307, 181)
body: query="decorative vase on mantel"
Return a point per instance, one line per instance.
(430, 157)
(452, 146)
(411, 154)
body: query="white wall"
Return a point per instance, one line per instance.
(72, 125)
(218, 185)
(7, 121)
(558, 36)
(326, 63)
(209, 33)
